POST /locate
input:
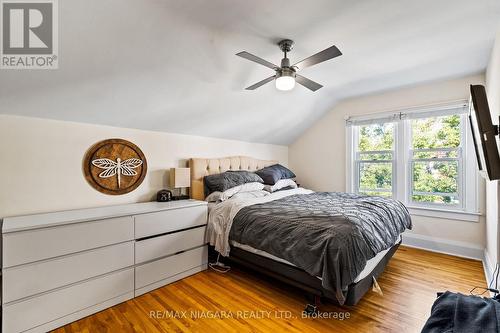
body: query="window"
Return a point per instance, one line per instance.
(375, 159)
(435, 160)
(418, 157)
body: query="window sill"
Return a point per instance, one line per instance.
(444, 213)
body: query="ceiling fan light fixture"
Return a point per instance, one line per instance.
(286, 74)
(285, 83)
(285, 80)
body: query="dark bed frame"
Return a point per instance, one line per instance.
(291, 275)
(297, 277)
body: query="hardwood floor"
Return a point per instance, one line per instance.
(409, 284)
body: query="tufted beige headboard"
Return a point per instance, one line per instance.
(201, 167)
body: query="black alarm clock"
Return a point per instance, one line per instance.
(164, 196)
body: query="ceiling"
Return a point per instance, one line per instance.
(171, 65)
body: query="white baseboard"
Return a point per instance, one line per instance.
(446, 246)
(456, 248)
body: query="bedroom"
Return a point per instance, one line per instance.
(112, 113)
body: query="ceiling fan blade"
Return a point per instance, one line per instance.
(260, 83)
(311, 85)
(256, 59)
(324, 55)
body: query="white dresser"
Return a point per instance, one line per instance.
(59, 267)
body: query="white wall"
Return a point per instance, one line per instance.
(318, 156)
(493, 187)
(41, 162)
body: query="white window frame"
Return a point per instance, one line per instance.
(461, 172)
(467, 210)
(357, 163)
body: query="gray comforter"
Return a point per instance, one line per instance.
(327, 234)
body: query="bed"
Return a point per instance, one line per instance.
(289, 235)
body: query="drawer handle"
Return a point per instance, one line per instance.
(170, 232)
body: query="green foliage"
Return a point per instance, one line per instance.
(376, 137)
(378, 194)
(435, 177)
(436, 132)
(376, 176)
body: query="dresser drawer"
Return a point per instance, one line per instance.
(167, 267)
(33, 245)
(31, 279)
(161, 246)
(32, 312)
(169, 220)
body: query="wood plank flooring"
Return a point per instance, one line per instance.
(409, 284)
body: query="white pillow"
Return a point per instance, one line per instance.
(221, 196)
(214, 197)
(282, 183)
(250, 195)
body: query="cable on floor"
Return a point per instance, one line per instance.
(219, 266)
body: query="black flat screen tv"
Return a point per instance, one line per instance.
(484, 133)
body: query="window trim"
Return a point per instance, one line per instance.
(358, 162)
(460, 180)
(467, 210)
(462, 156)
(444, 213)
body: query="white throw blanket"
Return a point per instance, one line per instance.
(221, 215)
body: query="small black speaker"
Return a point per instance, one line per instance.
(164, 196)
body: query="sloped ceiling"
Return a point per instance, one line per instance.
(171, 65)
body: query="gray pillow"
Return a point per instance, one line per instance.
(273, 173)
(226, 180)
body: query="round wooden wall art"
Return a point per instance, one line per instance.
(114, 166)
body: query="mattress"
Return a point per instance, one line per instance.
(369, 267)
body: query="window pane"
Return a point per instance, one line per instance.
(436, 132)
(438, 199)
(436, 154)
(375, 156)
(375, 176)
(435, 182)
(376, 137)
(378, 194)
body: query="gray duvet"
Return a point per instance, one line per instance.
(328, 234)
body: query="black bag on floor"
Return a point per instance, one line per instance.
(458, 313)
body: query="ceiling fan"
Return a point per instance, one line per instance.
(286, 75)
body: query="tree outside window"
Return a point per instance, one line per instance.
(436, 159)
(374, 159)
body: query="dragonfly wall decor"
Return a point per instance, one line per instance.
(114, 166)
(118, 168)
